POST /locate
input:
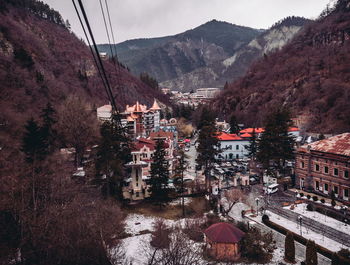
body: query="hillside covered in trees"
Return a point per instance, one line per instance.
(41, 60)
(310, 75)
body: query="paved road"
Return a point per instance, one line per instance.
(192, 155)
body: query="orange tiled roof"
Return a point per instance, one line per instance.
(228, 137)
(250, 130)
(246, 135)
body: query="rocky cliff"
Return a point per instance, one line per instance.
(232, 67)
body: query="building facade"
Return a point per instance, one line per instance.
(137, 119)
(324, 166)
(232, 146)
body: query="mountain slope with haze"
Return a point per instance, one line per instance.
(310, 75)
(235, 66)
(172, 56)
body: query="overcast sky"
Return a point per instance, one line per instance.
(154, 18)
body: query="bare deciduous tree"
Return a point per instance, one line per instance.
(181, 251)
(77, 125)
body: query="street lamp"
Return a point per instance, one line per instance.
(300, 218)
(257, 205)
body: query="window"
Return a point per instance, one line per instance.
(317, 185)
(326, 169)
(302, 164)
(325, 187)
(137, 194)
(317, 167)
(237, 156)
(237, 147)
(346, 193)
(346, 174)
(335, 172)
(336, 190)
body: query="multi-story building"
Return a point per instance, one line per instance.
(233, 146)
(136, 186)
(138, 119)
(324, 166)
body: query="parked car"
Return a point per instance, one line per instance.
(272, 188)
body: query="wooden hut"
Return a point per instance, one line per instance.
(222, 241)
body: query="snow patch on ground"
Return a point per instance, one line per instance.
(307, 233)
(321, 218)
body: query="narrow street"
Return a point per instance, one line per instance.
(192, 155)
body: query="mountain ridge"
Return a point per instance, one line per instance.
(169, 57)
(220, 72)
(310, 75)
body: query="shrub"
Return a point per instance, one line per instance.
(193, 230)
(333, 203)
(301, 194)
(323, 200)
(315, 198)
(289, 248)
(311, 253)
(308, 197)
(265, 218)
(160, 235)
(257, 246)
(310, 207)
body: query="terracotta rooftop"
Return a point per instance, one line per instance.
(155, 106)
(224, 233)
(260, 130)
(250, 130)
(161, 134)
(246, 135)
(339, 144)
(228, 137)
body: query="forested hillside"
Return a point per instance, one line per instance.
(42, 61)
(310, 75)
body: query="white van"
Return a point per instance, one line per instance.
(271, 188)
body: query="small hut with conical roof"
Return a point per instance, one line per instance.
(222, 241)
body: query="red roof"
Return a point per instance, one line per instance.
(260, 130)
(224, 233)
(228, 137)
(250, 130)
(293, 129)
(246, 135)
(161, 134)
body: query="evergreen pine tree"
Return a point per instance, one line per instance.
(289, 248)
(48, 132)
(275, 145)
(311, 253)
(112, 154)
(159, 175)
(234, 128)
(335, 259)
(180, 169)
(253, 146)
(33, 143)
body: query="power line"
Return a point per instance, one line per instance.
(107, 31)
(92, 52)
(104, 75)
